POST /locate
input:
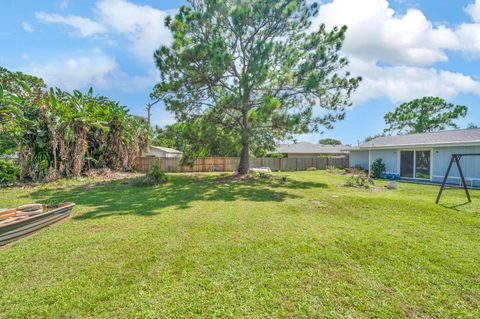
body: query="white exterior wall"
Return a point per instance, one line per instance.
(358, 159)
(440, 158)
(389, 157)
(159, 153)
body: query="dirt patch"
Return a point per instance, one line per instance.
(110, 175)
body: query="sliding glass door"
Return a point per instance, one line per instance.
(415, 164)
(406, 164)
(422, 164)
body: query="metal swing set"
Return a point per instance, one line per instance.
(456, 159)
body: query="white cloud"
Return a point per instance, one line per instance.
(142, 25)
(473, 10)
(407, 43)
(92, 69)
(403, 83)
(135, 83)
(377, 33)
(85, 26)
(27, 27)
(469, 33)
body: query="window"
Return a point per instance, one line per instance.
(415, 164)
(422, 164)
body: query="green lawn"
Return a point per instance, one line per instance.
(203, 247)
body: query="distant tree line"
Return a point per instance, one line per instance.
(330, 141)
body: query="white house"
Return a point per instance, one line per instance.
(159, 151)
(305, 149)
(425, 156)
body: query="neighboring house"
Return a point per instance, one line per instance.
(158, 151)
(304, 149)
(13, 157)
(425, 156)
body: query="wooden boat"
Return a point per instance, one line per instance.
(24, 220)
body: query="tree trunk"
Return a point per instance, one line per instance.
(244, 165)
(79, 150)
(23, 163)
(64, 168)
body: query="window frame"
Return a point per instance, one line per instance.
(399, 158)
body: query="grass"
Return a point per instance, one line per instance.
(201, 246)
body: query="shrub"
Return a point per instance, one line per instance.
(359, 181)
(155, 176)
(333, 170)
(263, 175)
(378, 168)
(8, 171)
(356, 171)
(276, 155)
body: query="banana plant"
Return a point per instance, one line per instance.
(9, 104)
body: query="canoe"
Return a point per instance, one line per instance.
(24, 220)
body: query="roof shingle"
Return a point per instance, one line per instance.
(433, 138)
(310, 148)
(166, 149)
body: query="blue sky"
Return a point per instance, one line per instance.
(403, 49)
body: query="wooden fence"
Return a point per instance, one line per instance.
(230, 164)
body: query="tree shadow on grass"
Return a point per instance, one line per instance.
(127, 197)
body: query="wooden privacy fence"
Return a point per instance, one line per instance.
(230, 164)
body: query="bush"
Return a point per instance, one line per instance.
(276, 155)
(264, 175)
(155, 176)
(359, 181)
(357, 170)
(8, 171)
(378, 168)
(333, 170)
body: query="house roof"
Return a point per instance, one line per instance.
(442, 138)
(9, 156)
(166, 149)
(310, 148)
